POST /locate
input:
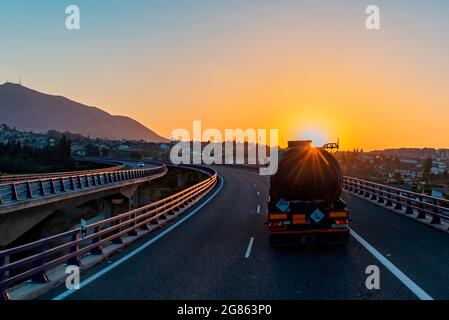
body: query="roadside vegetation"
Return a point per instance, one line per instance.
(15, 158)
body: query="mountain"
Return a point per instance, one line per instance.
(27, 109)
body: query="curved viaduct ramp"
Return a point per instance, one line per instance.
(23, 204)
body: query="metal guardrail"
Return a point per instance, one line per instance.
(33, 189)
(34, 259)
(37, 176)
(424, 206)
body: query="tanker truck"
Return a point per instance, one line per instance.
(304, 205)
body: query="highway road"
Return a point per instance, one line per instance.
(129, 164)
(222, 252)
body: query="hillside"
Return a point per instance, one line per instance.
(27, 109)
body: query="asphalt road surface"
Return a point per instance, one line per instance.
(222, 252)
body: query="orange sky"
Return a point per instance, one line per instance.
(312, 71)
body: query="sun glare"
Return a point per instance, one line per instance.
(315, 134)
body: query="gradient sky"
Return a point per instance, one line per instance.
(309, 68)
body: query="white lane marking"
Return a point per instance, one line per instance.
(258, 193)
(412, 286)
(258, 209)
(248, 250)
(139, 249)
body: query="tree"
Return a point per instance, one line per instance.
(446, 176)
(63, 152)
(427, 168)
(398, 178)
(135, 155)
(92, 150)
(105, 152)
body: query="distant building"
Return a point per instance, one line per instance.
(439, 192)
(443, 153)
(124, 147)
(164, 147)
(409, 161)
(436, 170)
(78, 151)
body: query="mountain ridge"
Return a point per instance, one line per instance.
(29, 109)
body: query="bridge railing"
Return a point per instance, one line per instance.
(425, 207)
(33, 260)
(22, 177)
(37, 188)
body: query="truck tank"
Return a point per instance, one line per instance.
(307, 174)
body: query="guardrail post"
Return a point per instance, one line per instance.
(163, 217)
(96, 250)
(435, 220)
(409, 209)
(389, 202)
(118, 240)
(4, 295)
(171, 205)
(421, 215)
(63, 189)
(74, 261)
(381, 196)
(15, 196)
(53, 188)
(361, 189)
(39, 277)
(132, 233)
(154, 221)
(29, 190)
(42, 187)
(398, 200)
(145, 226)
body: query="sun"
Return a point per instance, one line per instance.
(317, 135)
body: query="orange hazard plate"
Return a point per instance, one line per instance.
(299, 219)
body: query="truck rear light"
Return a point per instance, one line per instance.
(338, 214)
(341, 221)
(277, 224)
(278, 216)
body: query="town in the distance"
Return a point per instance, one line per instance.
(423, 170)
